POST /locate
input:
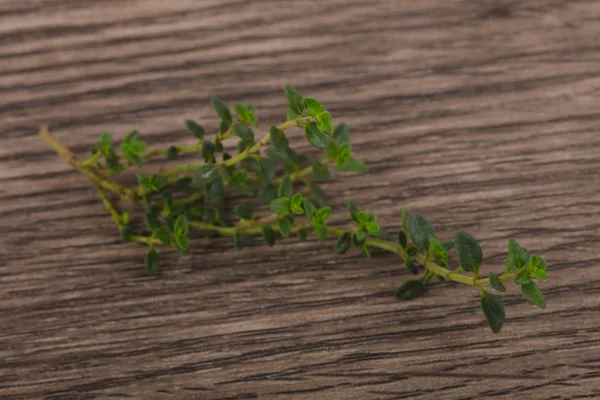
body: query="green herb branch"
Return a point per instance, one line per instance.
(278, 195)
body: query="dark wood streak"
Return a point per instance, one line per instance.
(482, 115)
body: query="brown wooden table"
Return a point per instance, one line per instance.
(483, 115)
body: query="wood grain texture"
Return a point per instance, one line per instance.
(482, 115)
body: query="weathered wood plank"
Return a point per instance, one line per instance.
(482, 115)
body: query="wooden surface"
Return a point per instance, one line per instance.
(480, 114)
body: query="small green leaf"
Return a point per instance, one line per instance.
(296, 203)
(243, 211)
(301, 235)
(195, 129)
(493, 309)
(321, 231)
(106, 142)
(268, 234)
(222, 110)
(532, 293)
(152, 262)
(309, 208)
(204, 175)
(286, 187)
(409, 290)
(152, 222)
(181, 225)
(294, 99)
(360, 234)
(517, 256)
(208, 151)
(353, 165)
(266, 194)
(539, 273)
(246, 113)
(284, 225)
(468, 250)
(250, 164)
(244, 132)
(318, 194)
(319, 170)
(496, 283)
(402, 239)
(215, 192)
(420, 229)
(343, 243)
(125, 232)
(324, 122)
(282, 157)
(172, 153)
(448, 245)
(131, 137)
(411, 267)
(280, 205)
(163, 235)
(313, 107)
(266, 168)
(182, 244)
(322, 214)
(341, 134)
(278, 138)
(522, 276)
(353, 211)
(315, 136)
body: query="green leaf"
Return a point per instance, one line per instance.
(409, 290)
(296, 203)
(343, 243)
(125, 232)
(250, 164)
(286, 187)
(318, 194)
(353, 165)
(195, 129)
(208, 151)
(152, 222)
(181, 225)
(131, 137)
(420, 229)
(182, 244)
(280, 205)
(324, 122)
(493, 309)
(152, 262)
(412, 251)
(313, 107)
(496, 283)
(244, 132)
(537, 267)
(437, 250)
(222, 110)
(321, 231)
(402, 239)
(294, 99)
(309, 208)
(468, 250)
(448, 245)
(172, 153)
(106, 142)
(539, 273)
(315, 136)
(163, 235)
(278, 138)
(343, 155)
(341, 134)
(266, 194)
(243, 211)
(215, 193)
(353, 211)
(266, 168)
(319, 170)
(322, 214)
(282, 157)
(204, 175)
(360, 235)
(268, 234)
(239, 240)
(411, 267)
(532, 293)
(517, 256)
(246, 113)
(301, 235)
(284, 225)
(522, 277)
(223, 127)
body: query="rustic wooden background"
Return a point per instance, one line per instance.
(481, 114)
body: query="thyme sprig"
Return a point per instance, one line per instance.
(283, 198)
